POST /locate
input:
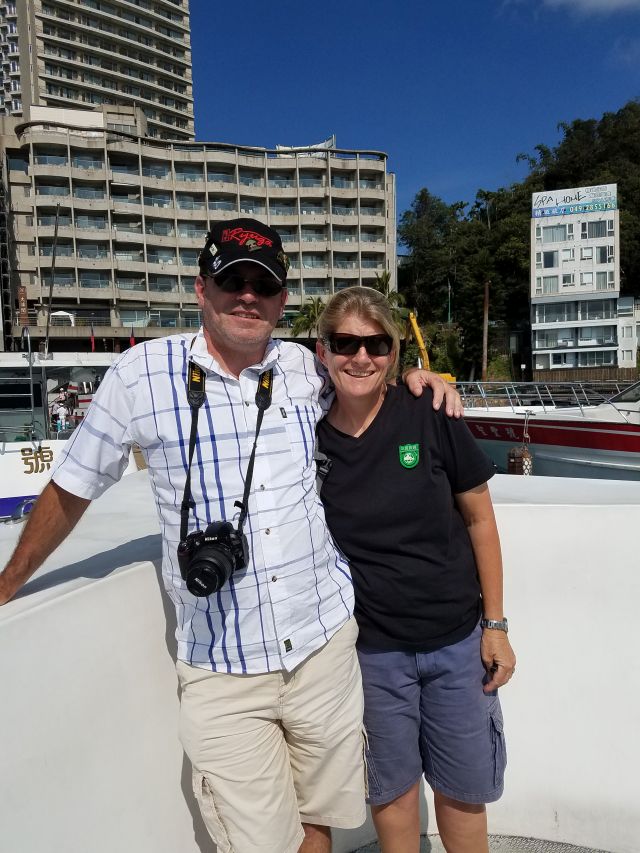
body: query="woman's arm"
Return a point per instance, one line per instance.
(477, 511)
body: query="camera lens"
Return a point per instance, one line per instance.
(209, 570)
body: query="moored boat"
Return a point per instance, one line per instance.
(596, 441)
(42, 401)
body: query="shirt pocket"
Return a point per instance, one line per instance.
(300, 419)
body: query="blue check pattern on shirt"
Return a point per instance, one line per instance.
(296, 592)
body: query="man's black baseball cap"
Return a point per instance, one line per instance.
(240, 240)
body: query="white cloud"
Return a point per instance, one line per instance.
(595, 6)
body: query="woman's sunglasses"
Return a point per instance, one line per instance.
(340, 343)
(265, 286)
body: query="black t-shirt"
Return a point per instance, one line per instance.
(388, 499)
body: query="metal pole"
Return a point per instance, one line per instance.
(485, 330)
(53, 271)
(26, 336)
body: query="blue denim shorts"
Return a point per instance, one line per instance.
(427, 713)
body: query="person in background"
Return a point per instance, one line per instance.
(63, 414)
(271, 699)
(406, 498)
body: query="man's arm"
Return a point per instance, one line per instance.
(477, 511)
(416, 379)
(53, 517)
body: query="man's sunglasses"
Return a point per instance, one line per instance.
(340, 343)
(265, 286)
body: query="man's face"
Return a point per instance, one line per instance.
(239, 322)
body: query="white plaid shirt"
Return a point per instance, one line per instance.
(296, 592)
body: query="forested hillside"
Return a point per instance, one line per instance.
(454, 249)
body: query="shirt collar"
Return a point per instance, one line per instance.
(201, 355)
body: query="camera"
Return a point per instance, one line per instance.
(208, 558)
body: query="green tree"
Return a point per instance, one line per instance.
(309, 316)
(430, 231)
(395, 299)
(454, 249)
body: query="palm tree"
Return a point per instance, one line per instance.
(307, 319)
(395, 299)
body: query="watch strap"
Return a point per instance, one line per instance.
(496, 624)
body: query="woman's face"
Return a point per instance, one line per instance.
(360, 375)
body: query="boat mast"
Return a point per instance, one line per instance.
(52, 273)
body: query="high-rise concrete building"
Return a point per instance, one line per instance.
(578, 318)
(85, 53)
(133, 213)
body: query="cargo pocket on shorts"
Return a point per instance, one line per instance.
(499, 744)
(206, 801)
(371, 780)
(365, 760)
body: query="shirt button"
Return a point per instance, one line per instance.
(268, 531)
(274, 578)
(261, 487)
(247, 403)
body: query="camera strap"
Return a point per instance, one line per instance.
(195, 397)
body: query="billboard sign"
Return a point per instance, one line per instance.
(598, 199)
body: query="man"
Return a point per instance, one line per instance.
(271, 703)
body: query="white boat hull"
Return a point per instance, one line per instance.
(561, 445)
(25, 469)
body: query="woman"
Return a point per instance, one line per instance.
(407, 501)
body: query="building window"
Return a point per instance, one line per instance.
(594, 230)
(568, 279)
(568, 255)
(586, 253)
(596, 359)
(550, 284)
(586, 278)
(550, 259)
(554, 234)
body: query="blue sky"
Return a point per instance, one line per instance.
(452, 91)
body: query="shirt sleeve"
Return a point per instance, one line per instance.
(327, 391)
(467, 465)
(96, 455)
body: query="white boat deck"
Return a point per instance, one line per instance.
(90, 755)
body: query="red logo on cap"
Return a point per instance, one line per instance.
(251, 239)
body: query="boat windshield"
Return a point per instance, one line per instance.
(629, 395)
(21, 418)
(61, 397)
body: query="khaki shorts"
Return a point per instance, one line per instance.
(270, 752)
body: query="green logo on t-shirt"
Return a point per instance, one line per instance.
(409, 455)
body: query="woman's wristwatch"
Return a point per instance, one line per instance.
(497, 624)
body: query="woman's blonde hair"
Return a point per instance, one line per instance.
(367, 304)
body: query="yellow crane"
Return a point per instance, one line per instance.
(413, 329)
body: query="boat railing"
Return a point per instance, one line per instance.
(536, 395)
(20, 432)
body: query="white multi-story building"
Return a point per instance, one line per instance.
(133, 213)
(85, 53)
(578, 319)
